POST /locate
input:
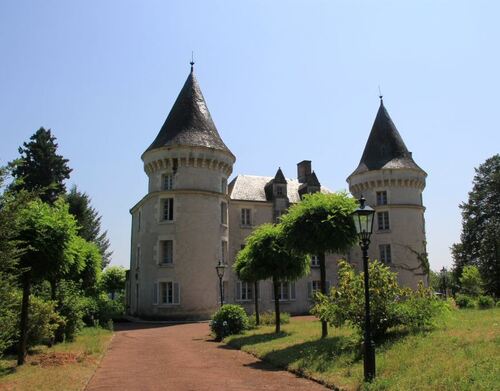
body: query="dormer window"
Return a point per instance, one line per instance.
(168, 182)
(280, 190)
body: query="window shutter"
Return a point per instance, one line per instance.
(292, 290)
(310, 289)
(177, 293)
(155, 293)
(238, 290)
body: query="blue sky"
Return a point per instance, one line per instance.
(284, 81)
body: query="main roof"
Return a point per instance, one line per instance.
(252, 188)
(385, 149)
(189, 122)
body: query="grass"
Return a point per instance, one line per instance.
(66, 366)
(463, 353)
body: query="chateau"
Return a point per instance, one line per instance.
(192, 217)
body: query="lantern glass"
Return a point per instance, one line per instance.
(220, 269)
(363, 218)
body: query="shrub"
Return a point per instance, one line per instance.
(390, 304)
(230, 319)
(268, 318)
(43, 321)
(497, 304)
(72, 307)
(470, 281)
(109, 310)
(464, 301)
(485, 302)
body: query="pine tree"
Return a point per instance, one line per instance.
(89, 222)
(40, 168)
(480, 238)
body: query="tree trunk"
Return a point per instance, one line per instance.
(53, 290)
(256, 296)
(322, 274)
(23, 326)
(276, 286)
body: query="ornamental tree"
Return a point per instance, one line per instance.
(244, 269)
(266, 256)
(321, 223)
(113, 280)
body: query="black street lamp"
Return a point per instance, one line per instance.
(363, 220)
(444, 281)
(220, 273)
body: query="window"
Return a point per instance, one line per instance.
(168, 182)
(223, 251)
(167, 292)
(381, 198)
(314, 261)
(286, 291)
(385, 253)
(167, 209)
(244, 291)
(279, 190)
(223, 186)
(246, 217)
(223, 213)
(315, 286)
(138, 257)
(166, 252)
(383, 220)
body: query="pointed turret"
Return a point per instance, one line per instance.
(279, 177)
(385, 148)
(189, 122)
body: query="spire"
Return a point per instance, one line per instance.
(189, 122)
(385, 148)
(279, 177)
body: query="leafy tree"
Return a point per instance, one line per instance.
(266, 256)
(470, 281)
(89, 222)
(47, 231)
(86, 266)
(40, 168)
(243, 268)
(321, 223)
(113, 280)
(480, 242)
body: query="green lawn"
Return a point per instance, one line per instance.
(463, 353)
(66, 366)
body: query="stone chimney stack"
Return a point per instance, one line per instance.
(303, 170)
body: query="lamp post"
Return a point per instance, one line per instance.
(220, 273)
(444, 281)
(363, 220)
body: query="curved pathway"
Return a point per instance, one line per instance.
(183, 357)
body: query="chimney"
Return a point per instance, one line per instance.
(303, 170)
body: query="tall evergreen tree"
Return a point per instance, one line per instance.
(480, 239)
(40, 168)
(89, 222)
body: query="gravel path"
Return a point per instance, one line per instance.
(183, 357)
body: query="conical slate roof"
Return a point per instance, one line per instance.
(279, 177)
(385, 148)
(189, 122)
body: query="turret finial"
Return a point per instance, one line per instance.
(192, 61)
(380, 95)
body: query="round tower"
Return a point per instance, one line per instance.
(392, 183)
(179, 229)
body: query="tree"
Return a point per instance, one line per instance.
(470, 281)
(89, 222)
(266, 256)
(40, 168)
(243, 268)
(113, 280)
(480, 240)
(47, 232)
(321, 223)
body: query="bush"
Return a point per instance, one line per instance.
(109, 310)
(390, 304)
(465, 301)
(268, 318)
(497, 304)
(230, 319)
(43, 321)
(72, 307)
(485, 302)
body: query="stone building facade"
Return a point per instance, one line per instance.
(192, 217)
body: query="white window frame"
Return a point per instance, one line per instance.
(161, 252)
(246, 217)
(383, 197)
(246, 287)
(158, 293)
(383, 253)
(287, 287)
(171, 209)
(167, 181)
(383, 224)
(314, 260)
